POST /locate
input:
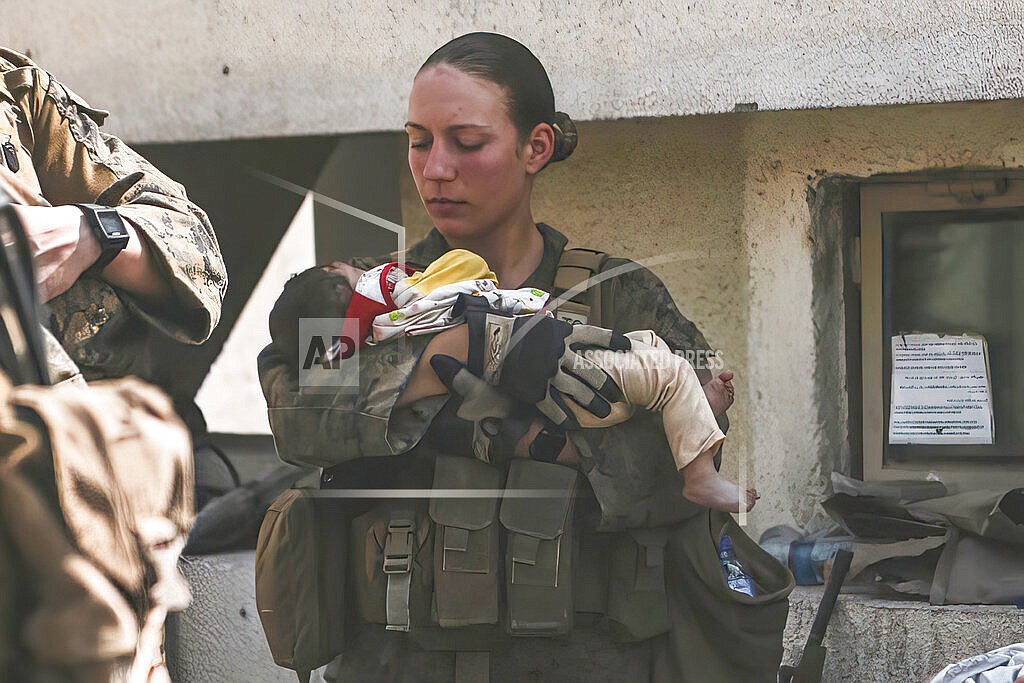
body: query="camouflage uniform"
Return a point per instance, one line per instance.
(629, 466)
(63, 158)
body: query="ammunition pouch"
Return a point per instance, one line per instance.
(300, 579)
(466, 543)
(637, 604)
(539, 557)
(391, 564)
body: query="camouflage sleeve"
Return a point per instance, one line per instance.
(76, 163)
(639, 492)
(640, 301)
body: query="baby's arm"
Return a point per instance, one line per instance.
(423, 381)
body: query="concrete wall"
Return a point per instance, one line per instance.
(728, 195)
(181, 70)
(725, 192)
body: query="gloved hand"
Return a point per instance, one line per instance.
(481, 404)
(541, 366)
(479, 399)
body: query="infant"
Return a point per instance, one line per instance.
(389, 301)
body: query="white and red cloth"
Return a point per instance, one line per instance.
(392, 300)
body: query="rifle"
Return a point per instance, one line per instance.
(811, 663)
(21, 349)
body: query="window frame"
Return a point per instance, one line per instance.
(965, 193)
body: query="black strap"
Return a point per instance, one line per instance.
(475, 310)
(547, 445)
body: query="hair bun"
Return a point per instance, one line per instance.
(566, 137)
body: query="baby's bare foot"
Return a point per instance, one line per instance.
(720, 393)
(718, 493)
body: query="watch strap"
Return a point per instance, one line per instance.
(110, 231)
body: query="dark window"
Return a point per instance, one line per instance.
(942, 258)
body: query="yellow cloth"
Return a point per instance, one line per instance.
(457, 265)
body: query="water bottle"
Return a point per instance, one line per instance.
(737, 579)
(807, 559)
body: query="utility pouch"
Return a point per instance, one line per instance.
(537, 512)
(465, 543)
(637, 604)
(590, 589)
(391, 565)
(300, 579)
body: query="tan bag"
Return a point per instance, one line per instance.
(300, 579)
(97, 518)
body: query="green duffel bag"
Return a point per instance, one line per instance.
(719, 635)
(300, 579)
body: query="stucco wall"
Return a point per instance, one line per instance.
(728, 193)
(180, 70)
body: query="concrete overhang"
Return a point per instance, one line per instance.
(180, 71)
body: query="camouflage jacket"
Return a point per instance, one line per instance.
(62, 157)
(629, 465)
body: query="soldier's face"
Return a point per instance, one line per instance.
(472, 172)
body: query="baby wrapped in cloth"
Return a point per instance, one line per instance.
(391, 301)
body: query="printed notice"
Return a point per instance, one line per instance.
(941, 392)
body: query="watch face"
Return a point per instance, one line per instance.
(111, 224)
(110, 231)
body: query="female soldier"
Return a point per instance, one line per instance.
(481, 126)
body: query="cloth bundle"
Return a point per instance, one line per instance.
(391, 300)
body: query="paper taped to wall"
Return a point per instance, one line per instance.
(941, 390)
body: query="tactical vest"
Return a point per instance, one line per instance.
(512, 559)
(505, 550)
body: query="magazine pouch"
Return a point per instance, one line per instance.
(637, 605)
(537, 512)
(465, 543)
(391, 564)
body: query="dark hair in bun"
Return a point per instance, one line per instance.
(511, 65)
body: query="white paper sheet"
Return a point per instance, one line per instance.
(941, 393)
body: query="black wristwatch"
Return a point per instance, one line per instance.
(110, 232)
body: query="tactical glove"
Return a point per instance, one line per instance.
(542, 366)
(479, 399)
